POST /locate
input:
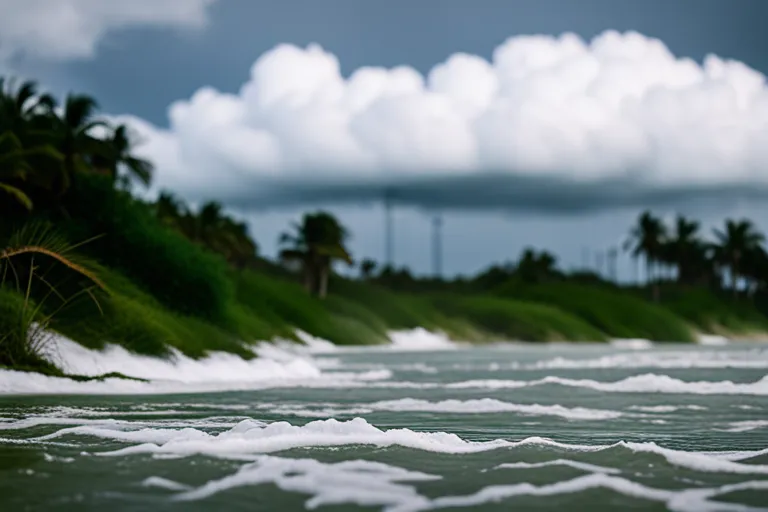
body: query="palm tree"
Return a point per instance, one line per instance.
(73, 135)
(19, 106)
(169, 209)
(367, 268)
(647, 239)
(22, 170)
(736, 244)
(535, 267)
(684, 249)
(316, 243)
(116, 152)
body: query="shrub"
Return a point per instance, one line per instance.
(181, 275)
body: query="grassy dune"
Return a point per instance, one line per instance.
(165, 291)
(613, 312)
(507, 319)
(713, 314)
(266, 305)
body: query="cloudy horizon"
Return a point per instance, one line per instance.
(549, 138)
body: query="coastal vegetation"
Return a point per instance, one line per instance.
(84, 255)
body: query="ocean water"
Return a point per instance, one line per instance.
(422, 425)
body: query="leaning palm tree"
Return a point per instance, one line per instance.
(116, 152)
(734, 245)
(647, 239)
(316, 243)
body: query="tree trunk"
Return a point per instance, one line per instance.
(323, 282)
(650, 278)
(307, 277)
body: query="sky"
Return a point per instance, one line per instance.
(548, 123)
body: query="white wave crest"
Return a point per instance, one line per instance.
(632, 343)
(667, 360)
(647, 383)
(489, 405)
(251, 437)
(276, 366)
(582, 466)
(478, 406)
(164, 483)
(746, 426)
(666, 408)
(420, 339)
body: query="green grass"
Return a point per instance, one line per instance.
(517, 320)
(614, 312)
(133, 318)
(405, 311)
(714, 314)
(21, 345)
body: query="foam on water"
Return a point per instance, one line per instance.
(420, 339)
(359, 482)
(251, 437)
(686, 500)
(582, 466)
(278, 364)
(746, 426)
(666, 408)
(489, 405)
(632, 343)
(366, 483)
(478, 406)
(216, 367)
(713, 339)
(646, 383)
(679, 359)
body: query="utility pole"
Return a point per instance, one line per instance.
(388, 230)
(599, 262)
(437, 246)
(613, 254)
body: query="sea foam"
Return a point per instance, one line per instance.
(251, 437)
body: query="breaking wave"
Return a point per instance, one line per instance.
(478, 406)
(647, 383)
(251, 437)
(276, 364)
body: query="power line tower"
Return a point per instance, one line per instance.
(437, 246)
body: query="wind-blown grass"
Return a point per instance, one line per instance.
(24, 325)
(517, 320)
(617, 314)
(713, 314)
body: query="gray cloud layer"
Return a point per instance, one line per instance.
(498, 192)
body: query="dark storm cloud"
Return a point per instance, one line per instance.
(497, 192)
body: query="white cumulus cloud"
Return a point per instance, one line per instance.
(66, 29)
(573, 113)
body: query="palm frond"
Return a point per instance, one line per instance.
(18, 195)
